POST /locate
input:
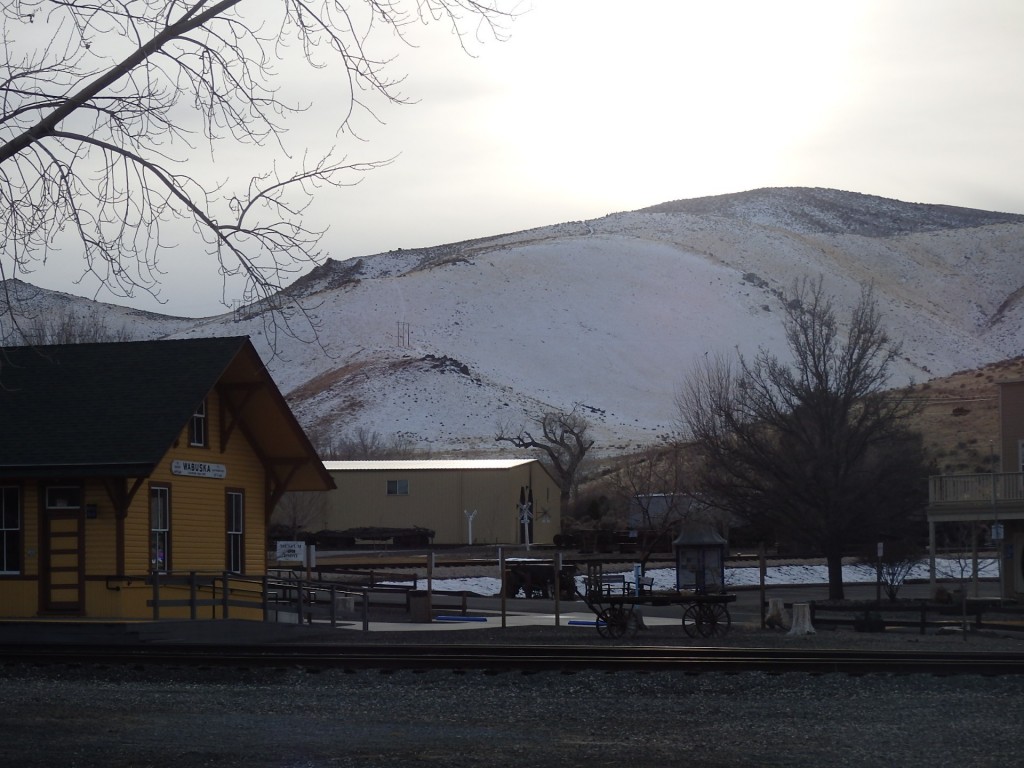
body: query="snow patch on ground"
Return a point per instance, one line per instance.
(775, 576)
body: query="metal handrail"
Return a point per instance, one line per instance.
(988, 488)
(232, 590)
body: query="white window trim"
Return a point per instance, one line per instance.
(18, 529)
(236, 536)
(160, 534)
(198, 433)
(401, 487)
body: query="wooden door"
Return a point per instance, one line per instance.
(62, 582)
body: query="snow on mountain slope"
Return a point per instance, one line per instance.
(832, 211)
(443, 343)
(558, 322)
(37, 306)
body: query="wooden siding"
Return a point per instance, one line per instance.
(439, 498)
(100, 532)
(20, 596)
(1011, 425)
(198, 533)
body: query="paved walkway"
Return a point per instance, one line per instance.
(745, 611)
(483, 613)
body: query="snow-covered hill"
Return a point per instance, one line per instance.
(443, 343)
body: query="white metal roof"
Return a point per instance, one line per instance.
(413, 464)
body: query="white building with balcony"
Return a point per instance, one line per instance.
(993, 501)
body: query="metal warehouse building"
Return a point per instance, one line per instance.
(456, 499)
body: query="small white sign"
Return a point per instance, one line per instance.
(525, 515)
(199, 469)
(291, 551)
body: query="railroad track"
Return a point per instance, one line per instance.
(525, 658)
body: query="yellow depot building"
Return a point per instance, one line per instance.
(138, 473)
(469, 501)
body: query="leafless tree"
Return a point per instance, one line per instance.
(298, 512)
(563, 441)
(63, 326)
(962, 564)
(817, 447)
(899, 559)
(108, 105)
(652, 487)
(361, 444)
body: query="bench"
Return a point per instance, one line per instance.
(613, 584)
(616, 584)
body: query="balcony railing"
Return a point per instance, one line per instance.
(991, 489)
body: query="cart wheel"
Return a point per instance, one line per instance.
(714, 620)
(691, 619)
(615, 622)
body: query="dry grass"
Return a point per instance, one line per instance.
(959, 416)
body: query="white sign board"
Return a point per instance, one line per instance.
(291, 550)
(198, 469)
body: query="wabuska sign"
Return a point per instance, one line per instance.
(199, 469)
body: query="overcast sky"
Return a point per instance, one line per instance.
(594, 106)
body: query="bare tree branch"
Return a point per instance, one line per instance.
(103, 105)
(563, 441)
(653, 486)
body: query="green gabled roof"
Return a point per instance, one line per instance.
(103, 405)
(115, 409)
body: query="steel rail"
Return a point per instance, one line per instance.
(526, 658)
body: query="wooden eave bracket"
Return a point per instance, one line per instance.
(121, 496)
(276, 485)
(233, 410)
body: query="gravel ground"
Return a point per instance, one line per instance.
(79, 717)
(672, 634)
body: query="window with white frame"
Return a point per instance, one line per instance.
(10, 529)
(236, 531)
(63, 497)
(160, 527)
(197, 427)
(398, 487)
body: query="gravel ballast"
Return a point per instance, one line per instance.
(83, 716)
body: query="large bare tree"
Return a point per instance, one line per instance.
(653, 487)
(113, 110)
(815, 447)
(563, 441)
